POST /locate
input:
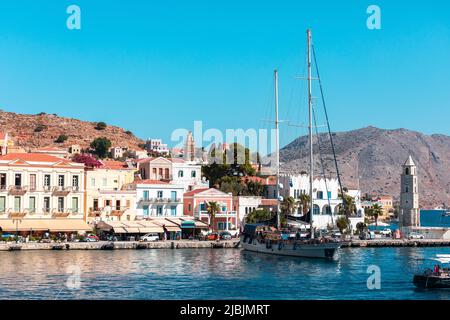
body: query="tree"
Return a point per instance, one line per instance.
(87, 159)
(258, 215)
(375, 211)
(342, 224)
(61, 138)
(40, 127)
(361, 226)
(349, 206)
(101, 147)
(212, 207)
(101, 126)
(288, 205)
(304, 202)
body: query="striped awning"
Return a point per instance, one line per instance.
(52, 225)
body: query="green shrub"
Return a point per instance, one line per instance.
(40, 127)
(61, 138)
(100, 126)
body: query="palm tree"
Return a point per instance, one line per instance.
(304, 202)
(288, 205)
(376, 211)
(258, 215)
(212, 207)
(349, 204)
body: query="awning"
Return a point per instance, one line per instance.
(53, 225)
(130, 227)
(173, 229)
(187, 224)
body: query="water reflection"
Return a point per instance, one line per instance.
(211, 274)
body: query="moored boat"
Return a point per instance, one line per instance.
(436, 278)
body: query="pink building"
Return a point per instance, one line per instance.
(195, 205)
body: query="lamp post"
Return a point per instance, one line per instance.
(17, 221)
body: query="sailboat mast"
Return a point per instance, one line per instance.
(311, 164)
(277, 148)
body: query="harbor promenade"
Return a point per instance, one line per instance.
(130, 245)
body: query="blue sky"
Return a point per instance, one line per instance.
(154, 66)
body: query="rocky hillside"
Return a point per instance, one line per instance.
(371, 158)
(41, 130)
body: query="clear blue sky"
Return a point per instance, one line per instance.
(154, 66)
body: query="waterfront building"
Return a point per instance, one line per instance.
(244, 205)
(327, 202)
(195, 204)
(176, 170)
(409, 196)
(156, 146)
(40, 192)
(385, 202)
(106, 198)
(156, 198)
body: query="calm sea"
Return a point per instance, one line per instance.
(210, 274)
(428, 218)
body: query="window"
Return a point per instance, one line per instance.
(173, 195)
(145, 209)
(160, 173)
(329, 195)
(60, 181)
(180, 174)
(407, 171)
(224, 208)
(159, 210)
(32, 204)
(46, 204)
(117, 204)
(146, 194)
(75, 181)
(128, 203)
(406, 189)
(105, 182)
(203, 206)
(220, 226)
(32, 182)
(2, 204)
(47, 180)
(173, 210)
(159, 194)
(18, 180)
(3, 180)
(319, 194)
(17, 204)
(166, 174)
(154, 173)
(193, 174)
(95, 205)
(189, 207)
(60, 204)
(75, 205)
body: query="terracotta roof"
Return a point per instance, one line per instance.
(271, 180)
(194, 192)
(114, 165)
(24, 158)
(50, 148)
(269, 202)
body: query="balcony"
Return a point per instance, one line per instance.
(17, 214)
(47, 188)
(61, 191)
(221, 214)
(17, 190)
(61, 213)
(3, 188)
(118, 211)
(145, 201)
(94, 212)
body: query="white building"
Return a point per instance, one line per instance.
(41, 192)
(327, 204)
(156, 145)
(117, 152)
(176, 170)
(158, 199)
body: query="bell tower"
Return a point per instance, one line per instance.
(409, 196)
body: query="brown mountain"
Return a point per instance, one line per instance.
(371, 158)
(41, 130)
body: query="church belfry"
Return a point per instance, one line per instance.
(409, 196)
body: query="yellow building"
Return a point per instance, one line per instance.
(107, 197)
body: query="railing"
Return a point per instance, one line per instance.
(61, 191)
(218, 214)
(3, 188)
(47, 188)
(160, 200)
(18, 190)
(61, 212)
(17, 213)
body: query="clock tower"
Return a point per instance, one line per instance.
(409, 196)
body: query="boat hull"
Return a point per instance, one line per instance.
(431, 282)
(322, 250)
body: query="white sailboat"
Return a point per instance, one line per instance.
(253, 240)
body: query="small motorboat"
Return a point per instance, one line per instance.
(436, 278)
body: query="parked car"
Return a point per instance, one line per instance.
(336, 234)
(415, 235)
(150, 237)
(212, 236)
(225, 235)
(386, 232)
